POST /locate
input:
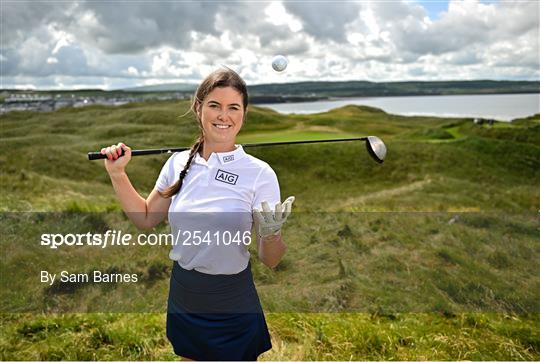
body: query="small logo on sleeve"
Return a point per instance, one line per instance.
(228, 158)
(227, 177)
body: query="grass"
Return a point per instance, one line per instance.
(295, 336)
(431, 255)
(311, 133)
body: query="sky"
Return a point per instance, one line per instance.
(129, 43)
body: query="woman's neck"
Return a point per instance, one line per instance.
(208, 148)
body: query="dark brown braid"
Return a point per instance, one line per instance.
(174, 189)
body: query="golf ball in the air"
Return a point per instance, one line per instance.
(279, 63)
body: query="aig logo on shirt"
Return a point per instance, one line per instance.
(228, 158)
(227, 177)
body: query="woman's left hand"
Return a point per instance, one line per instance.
(270, 222)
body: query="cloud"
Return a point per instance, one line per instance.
(112, 43)
(324, 20)
(132, 27)
(465, 24)
(21, 19)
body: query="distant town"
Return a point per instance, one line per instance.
(46, 101)
(37, 102)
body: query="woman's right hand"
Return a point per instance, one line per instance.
(114, 163)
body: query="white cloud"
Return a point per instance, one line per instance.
(111, 44)
(132, 71)
(276, 14)
(64, 39)
(23, 86)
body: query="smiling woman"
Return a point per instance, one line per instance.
(214, 189)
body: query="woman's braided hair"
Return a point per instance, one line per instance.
(220, 78)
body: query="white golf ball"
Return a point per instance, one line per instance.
(279, 63)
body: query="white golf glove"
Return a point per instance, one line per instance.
(270, 222)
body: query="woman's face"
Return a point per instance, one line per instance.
(222, 115)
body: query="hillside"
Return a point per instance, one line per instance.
(432, 254)
(382, 89)
(368, 89)
(313, 90)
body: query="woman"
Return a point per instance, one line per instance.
(215, 192)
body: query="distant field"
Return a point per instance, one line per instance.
(431, 255)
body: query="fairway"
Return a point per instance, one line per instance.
(311, 133)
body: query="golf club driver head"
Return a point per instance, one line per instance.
(376, 148)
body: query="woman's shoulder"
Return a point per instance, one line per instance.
(263, 170)
(258, 163)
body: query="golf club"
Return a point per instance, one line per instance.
(375, 146)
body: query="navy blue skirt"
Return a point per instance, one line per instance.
(215, 317)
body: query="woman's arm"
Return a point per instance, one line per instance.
(268, 224)
(144, 213)
(271, 249)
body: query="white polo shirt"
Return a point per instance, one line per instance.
(211, 217)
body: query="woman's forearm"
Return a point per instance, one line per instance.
(132, 203)
(271, 250)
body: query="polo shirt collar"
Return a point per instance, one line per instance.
(224, 158)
